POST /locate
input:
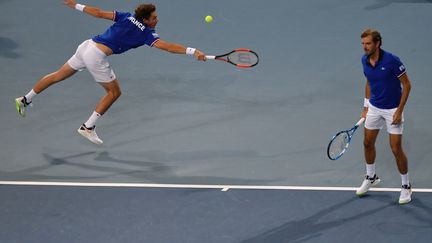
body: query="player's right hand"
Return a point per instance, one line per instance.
(364, 113)
(199, 55)
(70, 3)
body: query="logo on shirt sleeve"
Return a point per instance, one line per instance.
(401, 68)
(155, 35)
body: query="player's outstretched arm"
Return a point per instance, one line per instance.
(179, 49)
(93, 11)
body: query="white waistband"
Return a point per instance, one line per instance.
(97, 48)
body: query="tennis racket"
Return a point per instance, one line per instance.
(339, 143)
(242, 58)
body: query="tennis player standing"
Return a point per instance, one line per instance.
(129, 31)
(386, 93)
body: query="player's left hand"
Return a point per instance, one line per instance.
(70, 3)
(397, 117)
(199, 55)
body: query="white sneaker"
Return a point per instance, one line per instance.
(21, 104)
(90, 134)
(405, 195)
(367, 183)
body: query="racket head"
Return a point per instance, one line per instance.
(338, 145)
(242, 58)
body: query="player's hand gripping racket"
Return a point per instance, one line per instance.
(242, 58)
(340, 142)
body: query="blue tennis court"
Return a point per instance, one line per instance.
(204, 151)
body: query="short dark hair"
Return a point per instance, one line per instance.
(143, 11)
(376, 36)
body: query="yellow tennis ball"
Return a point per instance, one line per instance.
(208, 19)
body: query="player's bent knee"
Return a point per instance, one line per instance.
(368, 144)
(396, 148)
(115, 93)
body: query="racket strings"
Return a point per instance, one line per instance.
(338, 145)
(244, 58)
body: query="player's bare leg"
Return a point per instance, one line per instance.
(402, 164)
(396, 147)
(371, 179)
(113, 92)
(370, 137)
(61, 74)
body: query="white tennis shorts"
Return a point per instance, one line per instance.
(89, 56)
(376, 118)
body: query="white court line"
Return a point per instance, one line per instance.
(196, 186)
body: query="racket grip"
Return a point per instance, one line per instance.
(360, 121)
(210, 57)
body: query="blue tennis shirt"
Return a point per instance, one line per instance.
(384, 83)
(126, 33)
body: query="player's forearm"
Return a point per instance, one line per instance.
(179, 49)
(367, 90)
(366, 100)
(405, 93)
(93, 11)
(175, 48)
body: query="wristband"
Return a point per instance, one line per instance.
(79, 7)
(190, 51)
(366, 102)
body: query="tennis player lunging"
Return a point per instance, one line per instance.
(386, 93)
(129, 31)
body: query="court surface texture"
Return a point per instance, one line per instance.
(203, 151)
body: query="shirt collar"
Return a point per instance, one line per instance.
(380, 57)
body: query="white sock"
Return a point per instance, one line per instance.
(92, 120)
(370, 170)
(30, 96)
(405, 179)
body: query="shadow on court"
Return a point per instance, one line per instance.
(8, 48)
(102, 165)
(385, 3)
(312, 226)
(77, 214)
(316, 225)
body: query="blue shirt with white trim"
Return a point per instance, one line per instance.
(384, 83)
(126, 33)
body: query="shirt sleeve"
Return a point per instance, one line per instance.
(397, 67)
(120, 15)
(363, 62)
(152, 38)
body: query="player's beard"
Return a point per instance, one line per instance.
(371, 52)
